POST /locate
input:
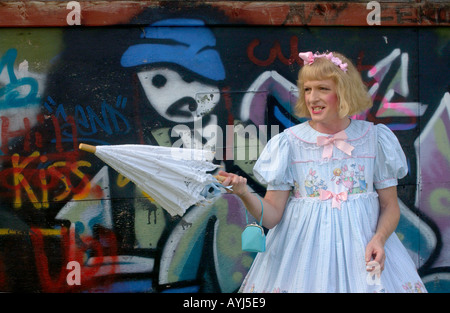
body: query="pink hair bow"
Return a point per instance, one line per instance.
(337, 198)
(338, 62)
(309, 58)
(338, 141)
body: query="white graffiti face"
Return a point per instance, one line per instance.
(175, 98)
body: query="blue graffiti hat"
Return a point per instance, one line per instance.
(186, 42)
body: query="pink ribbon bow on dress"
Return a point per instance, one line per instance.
(338, 141)
(336, 198)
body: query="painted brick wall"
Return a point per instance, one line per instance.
(68, 74)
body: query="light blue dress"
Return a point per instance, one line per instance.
(319, 245)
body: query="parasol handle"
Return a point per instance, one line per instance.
(86, 147)
(220, 178)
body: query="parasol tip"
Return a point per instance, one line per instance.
(86, 147)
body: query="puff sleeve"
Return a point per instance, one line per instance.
(390, 160)
(273, 165)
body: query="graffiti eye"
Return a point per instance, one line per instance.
(187, 79)
(159, 81)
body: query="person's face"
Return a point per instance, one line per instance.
(176, 99)
(322, 101)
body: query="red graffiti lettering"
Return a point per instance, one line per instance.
(75, 249)
(275, 52)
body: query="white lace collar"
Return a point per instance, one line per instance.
(304, 132)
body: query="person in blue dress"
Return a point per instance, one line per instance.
(339, 238)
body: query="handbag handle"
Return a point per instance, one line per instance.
(262, 212)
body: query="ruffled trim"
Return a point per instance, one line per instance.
(351, 197)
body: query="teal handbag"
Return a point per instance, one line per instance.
(253, 237)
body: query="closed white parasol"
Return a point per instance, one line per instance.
(176, 178)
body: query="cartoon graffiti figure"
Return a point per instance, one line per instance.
(180, 75)
(178, 69)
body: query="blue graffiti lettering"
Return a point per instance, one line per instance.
(89, 122)
(56, 109)
(10, 94)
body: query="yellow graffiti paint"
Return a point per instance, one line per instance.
(442, 141)
(122, 181)
(19, 179)
(439, 201)
(43, 231)
(20, 173)
(74, 168)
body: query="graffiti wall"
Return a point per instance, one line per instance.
(208, 76)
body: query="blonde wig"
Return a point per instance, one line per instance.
(351, 90)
